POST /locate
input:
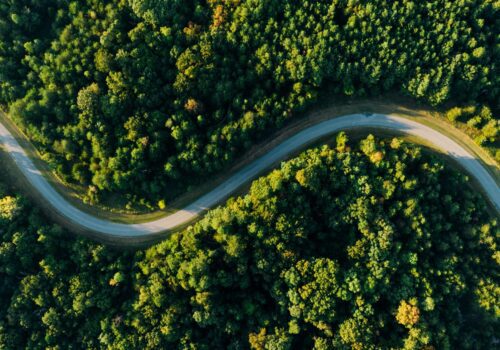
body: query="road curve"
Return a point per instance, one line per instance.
(249, 172)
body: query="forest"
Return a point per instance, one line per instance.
(358, 245)
(146, 97)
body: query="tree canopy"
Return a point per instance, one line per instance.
(136, 96)
(366, 245)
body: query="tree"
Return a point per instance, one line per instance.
(354, 261)
(9, 208)
(138, 84)
(407, 313)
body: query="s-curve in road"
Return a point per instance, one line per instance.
(248, 173)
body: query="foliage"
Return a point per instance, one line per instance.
(486, 128)
(135, 96)
(9, 208)
(407, 314)
(334, 250)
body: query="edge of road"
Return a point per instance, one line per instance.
(288, 133)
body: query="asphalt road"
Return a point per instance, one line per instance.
(248, 173)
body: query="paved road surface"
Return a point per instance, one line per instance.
(249, 172)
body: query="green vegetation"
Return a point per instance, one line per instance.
(366, 246)
(136, 96)
(480, 124)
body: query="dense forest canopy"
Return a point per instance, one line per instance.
(135, 96)
(361, 246)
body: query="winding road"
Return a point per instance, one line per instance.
(247, 173)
